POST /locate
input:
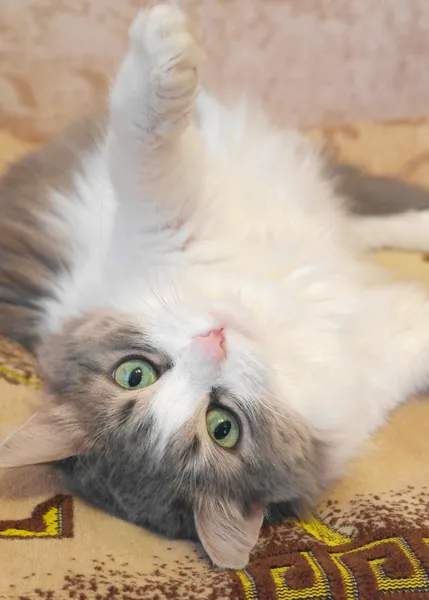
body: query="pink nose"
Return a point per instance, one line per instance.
(212, 343)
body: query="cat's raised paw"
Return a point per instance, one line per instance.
(166, 47)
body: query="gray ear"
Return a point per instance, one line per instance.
(49, 435)
(227, 534)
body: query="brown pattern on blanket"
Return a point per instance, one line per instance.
(388, 555)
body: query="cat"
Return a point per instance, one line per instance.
(214, 341)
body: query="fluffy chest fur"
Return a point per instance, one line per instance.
(265, 250)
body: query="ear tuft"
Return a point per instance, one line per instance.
(227, 534)
(49, 435)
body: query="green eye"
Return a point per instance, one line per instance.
(223, 427)
(135, 374)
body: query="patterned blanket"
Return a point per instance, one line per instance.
(368, 538)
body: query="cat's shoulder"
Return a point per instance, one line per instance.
(53, 165)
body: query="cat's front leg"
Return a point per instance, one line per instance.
(152, 145)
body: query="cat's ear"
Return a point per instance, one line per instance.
(226, 532)
(49, 435)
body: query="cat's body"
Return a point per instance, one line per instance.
(221, 251)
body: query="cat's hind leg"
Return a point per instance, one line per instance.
(384, 212)
(407, 231)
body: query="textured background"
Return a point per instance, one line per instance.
(308, 60)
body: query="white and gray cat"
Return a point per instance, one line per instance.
(214, 342)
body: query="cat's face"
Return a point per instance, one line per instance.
(176, 428)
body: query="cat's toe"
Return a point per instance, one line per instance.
(163, 36)
(170, 53)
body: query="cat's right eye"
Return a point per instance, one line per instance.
(135, 374)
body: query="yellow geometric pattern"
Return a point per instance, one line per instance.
(248, 584)
(50, 519)
(19, 378)
(323, 533)
(52, 522)
(318, 591)
(417, 581)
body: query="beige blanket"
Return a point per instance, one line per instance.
(369, 538)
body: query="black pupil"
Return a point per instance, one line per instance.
(222, 430)
(135, 377)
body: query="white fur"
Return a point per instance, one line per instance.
(407, 231)
(227, 221)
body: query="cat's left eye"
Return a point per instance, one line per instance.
(135, 374)
(223, 427)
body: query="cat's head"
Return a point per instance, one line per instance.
(173, 429)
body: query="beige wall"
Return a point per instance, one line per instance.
(309, 60)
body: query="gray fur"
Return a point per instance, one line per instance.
(371, 195)
(31, 257)
(122, 475)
